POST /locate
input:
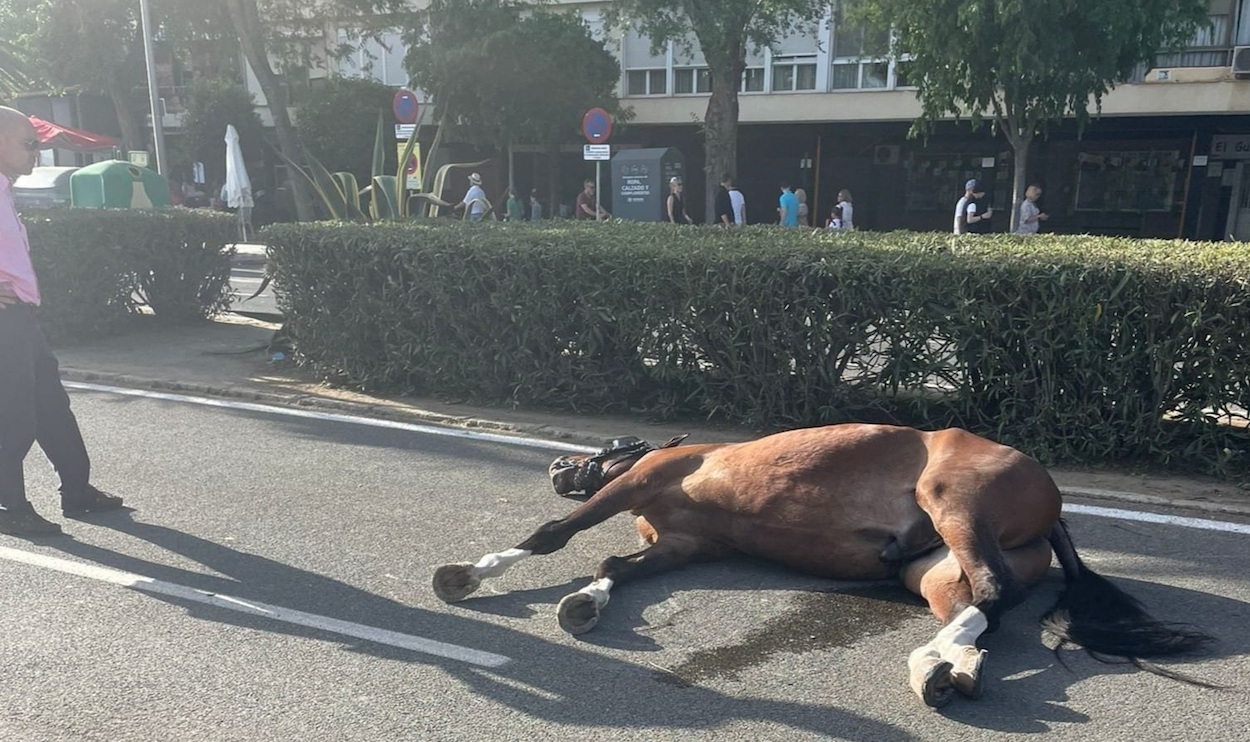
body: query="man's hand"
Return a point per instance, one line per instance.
(8, 294)
(1043, 217)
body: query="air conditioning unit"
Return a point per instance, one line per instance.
(1241, 61)
(885, 154)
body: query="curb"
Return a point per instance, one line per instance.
(384, 412)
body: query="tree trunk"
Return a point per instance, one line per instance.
(553, 179)
(132, 133)
(246, 21)
(1019, 180)
(720, 131)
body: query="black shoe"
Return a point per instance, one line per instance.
(22, 520)
(89, 500)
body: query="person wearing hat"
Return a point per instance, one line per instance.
(966, 211)
(474, 199)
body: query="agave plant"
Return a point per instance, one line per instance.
(341, 194)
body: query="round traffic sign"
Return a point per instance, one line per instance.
(405, 106)
(597, 126)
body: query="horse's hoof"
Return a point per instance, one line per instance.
(934, 686)
(578, 613)
(455, 582)
(966, 673)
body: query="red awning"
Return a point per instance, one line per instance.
(56, 136)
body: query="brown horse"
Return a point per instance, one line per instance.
(966, 523)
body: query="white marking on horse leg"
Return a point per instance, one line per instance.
(599, 590)
(962, 631)
(455, 582)
(579, 612)
(951, 659)
(957, 644)
(494, 565)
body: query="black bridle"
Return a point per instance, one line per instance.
(591, 472)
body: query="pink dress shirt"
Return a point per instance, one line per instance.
(15, 265)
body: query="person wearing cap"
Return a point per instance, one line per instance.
(474, 199)
(675, 207)
(966, 211)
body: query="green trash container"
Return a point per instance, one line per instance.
(116, 184)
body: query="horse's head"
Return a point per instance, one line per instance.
(587, 473)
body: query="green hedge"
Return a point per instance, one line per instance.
(1073, 348)
(96, 267)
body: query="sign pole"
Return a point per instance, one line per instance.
(597, 129)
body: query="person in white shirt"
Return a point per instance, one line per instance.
(848, 209)
(474, 199)
(1031, 216)
(739, 203)
(966, 209)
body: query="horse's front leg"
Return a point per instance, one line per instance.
(579, 611)
(455, 582)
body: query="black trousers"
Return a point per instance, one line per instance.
(34, 407)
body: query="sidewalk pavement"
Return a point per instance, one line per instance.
(227, 358)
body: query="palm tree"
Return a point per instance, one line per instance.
(14, 71)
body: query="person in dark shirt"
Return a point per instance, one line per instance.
(676, 206)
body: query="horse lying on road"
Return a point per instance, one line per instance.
(966, 523)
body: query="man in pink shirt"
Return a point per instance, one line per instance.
(33, 403)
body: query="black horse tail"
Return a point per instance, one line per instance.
(1111, 625)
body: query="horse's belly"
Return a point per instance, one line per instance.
(845, 557)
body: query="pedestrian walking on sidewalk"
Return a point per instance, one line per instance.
(33, 404)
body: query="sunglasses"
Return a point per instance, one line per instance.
(31, 145)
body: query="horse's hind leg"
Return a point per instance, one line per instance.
(579, 611)
(952, 661)
(455, 582)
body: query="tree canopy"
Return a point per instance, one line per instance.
(725, 30)
(504, 72)
(1024, 64)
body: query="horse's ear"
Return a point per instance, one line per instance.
(675, 440)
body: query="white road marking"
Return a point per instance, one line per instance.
(1115, 513)
(446, 432)
(255, 608)
(1171, 520)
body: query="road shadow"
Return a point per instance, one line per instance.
(557, 682)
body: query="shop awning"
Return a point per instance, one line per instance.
(56, 136)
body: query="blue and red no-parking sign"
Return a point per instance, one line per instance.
(597, 126)
(405, 106)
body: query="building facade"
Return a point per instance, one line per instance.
(1169, 156)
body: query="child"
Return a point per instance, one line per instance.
(835, 218)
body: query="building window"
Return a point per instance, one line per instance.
(936, 181)
(1211, 45)
(646, 69)
(692, 80)
(1136, 181)
(753, 80)
(858, 60)
(646, 82)
(794, 73)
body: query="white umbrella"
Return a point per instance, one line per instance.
(238, 186)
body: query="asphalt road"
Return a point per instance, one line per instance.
(245, 280)
(272, 583)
